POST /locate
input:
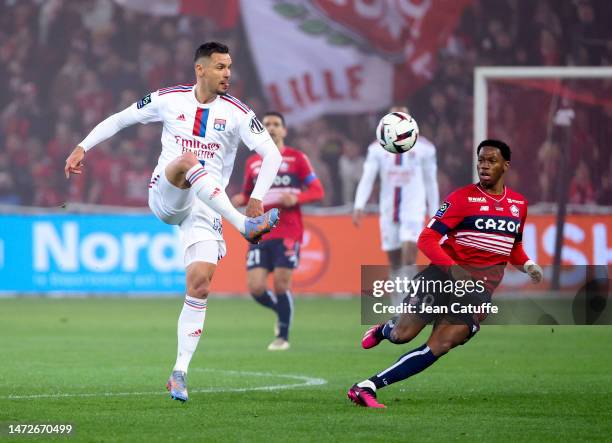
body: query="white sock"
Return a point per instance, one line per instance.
(190, 326)
(367, 384)
(396, 296)
(212, 194)
(406, 271)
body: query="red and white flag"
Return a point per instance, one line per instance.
(226, 17)
(345, 56)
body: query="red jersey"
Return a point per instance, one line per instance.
(295, 174)
(482, 229)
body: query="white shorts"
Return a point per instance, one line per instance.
(169, 203)
(209, 251)
(197, 222)
(393, 234)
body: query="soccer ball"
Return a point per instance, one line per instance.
(397, 132)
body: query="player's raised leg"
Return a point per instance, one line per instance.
(186, 171)
(191, 320)
(397, 331)
(444, 337)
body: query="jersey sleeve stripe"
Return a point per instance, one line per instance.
(438, 226)
(310, 178)
(176, 87)
(181, 88)
(174, 90)
(233, 103)
(237, 102)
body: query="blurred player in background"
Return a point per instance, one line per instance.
(202, 126)
(484, 224)
(408, 194)
(295, 185)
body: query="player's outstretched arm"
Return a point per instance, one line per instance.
(113, 124)
(429, 244)
(519, 258)
(313, 192)
(74, 162)
(144, 111)
(271, 161)
(364, 188)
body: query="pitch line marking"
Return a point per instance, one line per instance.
(304, 380)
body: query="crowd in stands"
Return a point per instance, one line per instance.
(66, 65)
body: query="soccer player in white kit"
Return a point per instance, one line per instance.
(408, 193)
(202, 127)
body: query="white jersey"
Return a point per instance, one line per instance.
(210, 131)
(408, 182)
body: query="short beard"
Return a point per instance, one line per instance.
(490, 185)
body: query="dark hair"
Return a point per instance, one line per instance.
(275, 114)
(503, 148)
(209, 48)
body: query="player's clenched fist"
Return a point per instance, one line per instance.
(74, 162)
(534, 271)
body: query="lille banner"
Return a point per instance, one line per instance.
(225, 17)
(345, 57)
(137, 254)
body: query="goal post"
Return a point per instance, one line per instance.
(482, 75)
(557, 121)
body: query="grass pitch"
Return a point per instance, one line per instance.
(101, 365)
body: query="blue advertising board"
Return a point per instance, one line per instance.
(89, 254)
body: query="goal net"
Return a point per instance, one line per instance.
(558, 122)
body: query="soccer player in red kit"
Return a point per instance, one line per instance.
(295, 184)
(483, 223)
